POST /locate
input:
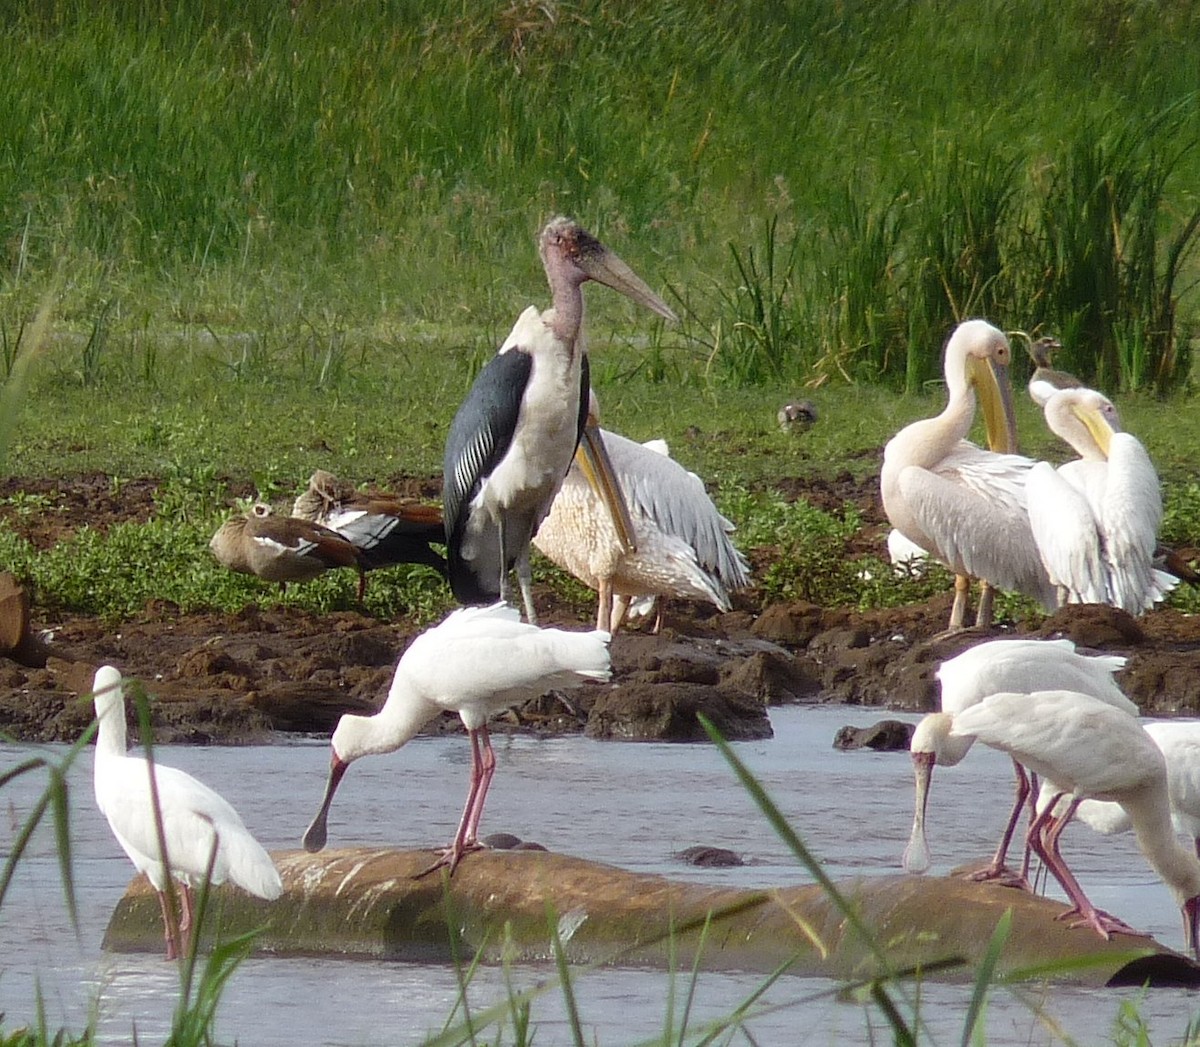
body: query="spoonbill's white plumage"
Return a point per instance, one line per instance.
(195, 820)
(963, 505)
(1179, 741)
(1090, 750)
(514, 436)
(681, 544)
(1095, 520)
(969, 678)
(477, 662)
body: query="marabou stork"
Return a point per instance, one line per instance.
(514, 436)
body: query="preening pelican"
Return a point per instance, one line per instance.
(680, 544)
(1045, 380)
(966, 506)
(1095, 520)
(512, 441)
(385, 529)
(282, 548)
(477, 662)
(966, 680)
(199, 828)
(1090, 750)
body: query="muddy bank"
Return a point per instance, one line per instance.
(233, 678)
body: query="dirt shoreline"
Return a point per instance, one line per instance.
(238, 678)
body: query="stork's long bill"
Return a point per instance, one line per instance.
(597, 468)
(992, 387)
(605, 267)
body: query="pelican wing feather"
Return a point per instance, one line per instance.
(1064, 531)
(985, 537)
(659, 488)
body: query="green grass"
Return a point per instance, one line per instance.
(826, 189)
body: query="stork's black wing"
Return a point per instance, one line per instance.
(479, 438)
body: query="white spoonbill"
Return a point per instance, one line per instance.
(477, 662)
(1095, 520)
(1090, 750)
(1179, 741)
(963, 505)
(680, 541)
(196, 822)
(966, 680)
(513, 438)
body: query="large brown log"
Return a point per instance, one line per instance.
(371, 903)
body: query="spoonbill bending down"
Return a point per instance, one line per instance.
(477, 662)
(1095, 520)
(513, 438)
(1179, 741)
(680, 541)
(282, 548)
(969, 678)
(385, 529)
(200, 829)
(1090, 750)
(963, 505)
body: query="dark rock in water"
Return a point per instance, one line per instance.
(775, 677)
(667, 712)
(885, 736)
(709, 857)
(509, 842)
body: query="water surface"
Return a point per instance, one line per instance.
(629, 804)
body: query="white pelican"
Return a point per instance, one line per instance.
(1095, 520)
(680, 541)
(512, 440)
(200, 829)
(282, 548)
(1090, 750)
(966, 680)
(476, 662)
(963, 505)
(385, 529)
(1045, 380)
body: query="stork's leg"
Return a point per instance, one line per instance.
(962, 592)
(170, 925)
(525, 579)
(998, 870)
(983, 614)
(660, 604)
(504, 589)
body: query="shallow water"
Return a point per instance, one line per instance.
(628, 804)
